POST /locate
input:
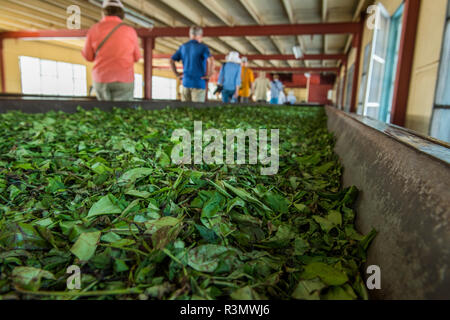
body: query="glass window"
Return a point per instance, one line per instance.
(372, 96)
(31, 73)
(164, 88)
(138, 86)
(48, 77)
(443, 90)
(348, 93)
(440, 126)
(363, 85)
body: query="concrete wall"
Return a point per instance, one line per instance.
(405, 196)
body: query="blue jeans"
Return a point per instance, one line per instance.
(274, 101)
(227, 96)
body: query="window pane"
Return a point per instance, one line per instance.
(52, 77)
(443, 91)
(349, 88)
(164, 88)
(65, 79)
(79, 88)
(138, 86)
(440, 127)
(48, 68)
(30, 74)
(376, 82)
(372, 112)
(382, 36)
(49, 85)
(79, 71)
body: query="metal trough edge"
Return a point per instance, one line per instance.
(405, 196)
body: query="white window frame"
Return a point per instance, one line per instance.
(374, 57)
(74, 79)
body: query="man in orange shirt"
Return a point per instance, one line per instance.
(114, 48)
(247, 79)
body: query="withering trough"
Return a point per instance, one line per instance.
(404, 180)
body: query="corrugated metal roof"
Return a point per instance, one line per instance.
(46, 14)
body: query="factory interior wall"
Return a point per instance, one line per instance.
(425, 70)
(301, 94)
(425, 64)
(351, 60)
(51, 50)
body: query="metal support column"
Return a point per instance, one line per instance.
(2, 68)
(357, 43)
(149, 45)
(405, 62)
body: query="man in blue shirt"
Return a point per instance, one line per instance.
(198, 66)
(275, 88)
(230, 77)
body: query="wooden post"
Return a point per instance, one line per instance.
(357, 43)
(2, 68)
(344, 84)
(405, 62)
(149, 45)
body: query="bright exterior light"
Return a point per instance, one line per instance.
(297, 52)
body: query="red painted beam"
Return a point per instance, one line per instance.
(274, 69)
(149, 45)
(357, 43)
(2, 68)
(295, 70)
(252, 57)
(236, 31)
(48, 34)
(254, 31)
(405, 62)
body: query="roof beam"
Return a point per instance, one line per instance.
(259, 31)
(297, 70)
(259, 20)
(223, 15)
(187, 12)
(221, 31)
(274, 56)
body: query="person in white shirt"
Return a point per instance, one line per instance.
(260, 87)
(291, 99)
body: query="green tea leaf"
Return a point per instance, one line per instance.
(84, 248)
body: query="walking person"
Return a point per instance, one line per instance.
(247, 79)
(275, 88)
(230, 77)
(114, 48)
(198, 66)
(260, 87)
(291, 99)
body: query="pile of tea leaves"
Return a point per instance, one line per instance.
(98, 190)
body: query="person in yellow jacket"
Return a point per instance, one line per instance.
(247, 79)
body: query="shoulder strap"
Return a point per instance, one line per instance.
(107, 37)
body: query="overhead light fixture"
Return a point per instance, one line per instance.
(131, 15)
(298, 53)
